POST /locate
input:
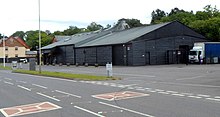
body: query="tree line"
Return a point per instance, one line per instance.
(206, 22)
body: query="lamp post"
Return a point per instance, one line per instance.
(39, 38)
(3, 39)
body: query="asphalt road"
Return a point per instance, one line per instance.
(165, 91)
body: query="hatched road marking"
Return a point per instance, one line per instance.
(28, 109)
(119, 95)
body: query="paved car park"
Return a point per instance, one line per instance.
(148, 91)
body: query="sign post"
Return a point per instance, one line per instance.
(109, 69)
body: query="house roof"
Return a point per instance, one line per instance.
(18, 39)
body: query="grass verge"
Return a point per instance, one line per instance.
(65, 75)
(5, 68)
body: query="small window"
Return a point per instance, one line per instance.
(16, 47)
(6, 56)
(16, 55)
(6, 48)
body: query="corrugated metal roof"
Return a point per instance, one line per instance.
(106, 37)
(50, 46)
(122, 36)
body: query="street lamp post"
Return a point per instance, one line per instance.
(3, 39)
(39, 38)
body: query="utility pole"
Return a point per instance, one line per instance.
(3, 39)
(39, 38)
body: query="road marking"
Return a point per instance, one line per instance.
(68, 94)
(28, 109)
(25, 88)
(22, 82)
(130, 88)
(171, 91)
(197, 97)
(88, 111)
(163, 93)
(181, 95)
(125, 109)
(194, 85)
(119, 95)
(152, 91)
(8, 83)
(217, 96)
(187, 93)
(190, 78)
(159, 90)
(133, 75)
(48, 96)
(39, 86)
(201, 95)
(7, 78)
(213, 99)
(140, 89)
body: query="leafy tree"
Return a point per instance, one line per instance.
(157, 15)
(20, 34)
(94, 26)
(33, 39)
(175, 11)
(58, 33)
(71, 30)
(132, 22)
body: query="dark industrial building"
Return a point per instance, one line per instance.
(166, 43)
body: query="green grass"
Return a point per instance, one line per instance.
(5, 68)
(65, 75)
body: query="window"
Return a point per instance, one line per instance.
(6, 48)
(16, 55)
(6, 55)
(16, 47)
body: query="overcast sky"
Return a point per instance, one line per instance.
(22, 15)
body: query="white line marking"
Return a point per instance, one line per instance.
(181, 95)
(130, 88)
(187, 93)
(48, 96)
(140, 89)
(194, 97)
(25, 88)
(159, 90)
(125, 109)
(4, 113)
(7, 78)
(213, 99)
(151, 91)
(133, 75)
(39, 86)
(163, 93)
(217, 96)
(201, 95)
(68, 94)
(88, 111)
(22, 82)
(171, 91)
(190, 78)
(8, 83)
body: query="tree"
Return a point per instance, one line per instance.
(94, 26)
(71, 30)
(157, 15)
(20, 34)
(33, 39)
(132, 22)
